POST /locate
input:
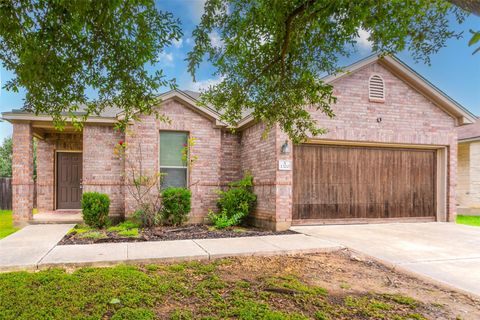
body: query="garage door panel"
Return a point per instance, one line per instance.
(340, 182)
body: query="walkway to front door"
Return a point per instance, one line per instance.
(445, 252)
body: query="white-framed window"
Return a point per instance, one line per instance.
(376, 88)
(172, 167)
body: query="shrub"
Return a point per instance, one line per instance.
(95, 209)
(176, 205)
(147, 215)
(235, 204)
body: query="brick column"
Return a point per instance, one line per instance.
(474, 169)
(45, 175)
(284, 183)
(22, 172)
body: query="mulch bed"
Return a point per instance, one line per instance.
(197, 231)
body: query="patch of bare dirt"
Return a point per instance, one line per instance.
(343, 274)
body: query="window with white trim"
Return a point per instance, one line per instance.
(376, 88)
(172, 167)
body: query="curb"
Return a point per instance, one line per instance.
(405, 271)
(207, 257)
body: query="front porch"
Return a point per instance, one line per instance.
(57, 217)
(68, 162)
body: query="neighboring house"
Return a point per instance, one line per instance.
(390, 155)
(468, 187)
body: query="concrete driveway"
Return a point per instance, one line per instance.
(445, 252)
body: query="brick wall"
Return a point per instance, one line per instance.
(205, 174)
(463, 174)
(46, 165)
(407, 116)
(103, 170)
(230, 158)
(475, 174)
(22, 171)
(45, 176)
(468, 189)
(258, 156)
(141, 156)
(284, 195)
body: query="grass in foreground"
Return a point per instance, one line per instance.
(469, 220)
(216, 290)
(6, 223)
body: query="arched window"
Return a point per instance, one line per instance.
(376, 88)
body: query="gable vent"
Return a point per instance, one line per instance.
(376, 88)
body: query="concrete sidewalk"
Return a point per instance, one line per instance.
(447, 253)
(25, 248)
(42, 252)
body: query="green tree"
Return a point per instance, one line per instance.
(6, 152)
(275, 52)
(6, 158)
(474, 7)
(73, 55)
(86, 55)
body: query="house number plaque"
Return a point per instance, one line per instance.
(284, 165)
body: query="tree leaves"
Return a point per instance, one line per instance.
(76, 58)
(275, 52)
(80, 57)
(474, 39)
(6, 158)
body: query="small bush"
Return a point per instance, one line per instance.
(147, 216)
(95, 209)
(235, 204)
(176, 205)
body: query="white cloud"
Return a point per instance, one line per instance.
(165, 58)
(363, 43)
(216, 40)
(202, 85)
(177, 43)
(195, 8)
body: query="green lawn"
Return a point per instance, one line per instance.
(469, 220)
(6, 224)
(215, 290)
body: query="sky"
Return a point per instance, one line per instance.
(454, 69)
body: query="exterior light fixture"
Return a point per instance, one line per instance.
(285, 149)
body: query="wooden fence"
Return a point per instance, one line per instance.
(6, 193)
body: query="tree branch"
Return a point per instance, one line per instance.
(286, 40)
(468, 5)
(288, 25)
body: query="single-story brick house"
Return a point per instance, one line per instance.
(468, 188)
(390, 154)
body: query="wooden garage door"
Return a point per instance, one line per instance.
(352, 183)
(69, 175)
